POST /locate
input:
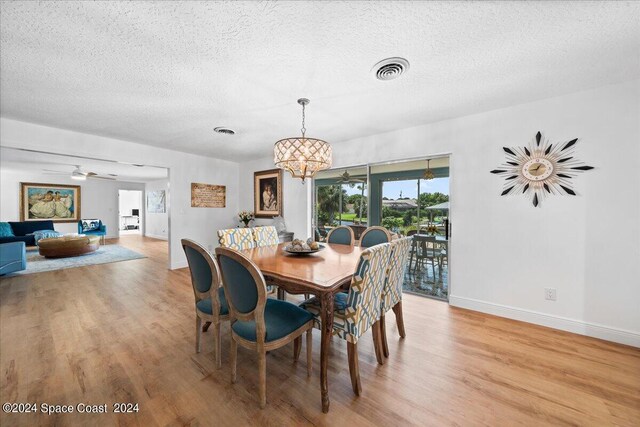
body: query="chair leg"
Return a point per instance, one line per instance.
(397, 309)
(383, 335)
(281, 294)
(233, 356)
(262, 368)
(198, 332)
(377, 345)
(354, 370)
(297, 347)
(216, 343)
(205, 328)
(309, 352)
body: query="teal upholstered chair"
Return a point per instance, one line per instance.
(259, 323)
(392, 291)
(211, 305)
(359, 310)
(342, 235)
(13, 257)
(374, 236)
(92, 227)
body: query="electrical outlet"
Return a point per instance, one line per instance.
(550, 294)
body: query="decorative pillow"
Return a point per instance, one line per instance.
(44, 234)
(6, 230)
(90, 224)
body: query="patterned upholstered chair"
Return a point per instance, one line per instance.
(359, 310)
(211, 305)
(374, 236)
(257, 322)
(265, 236)
(392, 291)
(342, 235)
(237, 238)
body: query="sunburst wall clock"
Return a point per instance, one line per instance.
(541, 169)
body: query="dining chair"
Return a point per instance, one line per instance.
(341, 235)
(265, 236)
(392, 291)
(245, 238)
(374, 235)
(358, 310)
(237, 238)
(426, 251)
(259, 323)
(211, 304)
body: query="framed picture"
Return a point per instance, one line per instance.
(156, 202)
(208, 195)
(57, 202)
(267, 193)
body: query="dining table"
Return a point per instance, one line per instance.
(322, 274)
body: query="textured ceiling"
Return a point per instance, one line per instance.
(166, 73)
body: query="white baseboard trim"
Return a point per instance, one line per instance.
(156, 236)
(594, 330)
(178, 265)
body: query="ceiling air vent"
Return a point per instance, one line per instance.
(390, 68)
(225, 131)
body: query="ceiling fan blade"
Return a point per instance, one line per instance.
(100, 177)
(49, 171)
(91, 173)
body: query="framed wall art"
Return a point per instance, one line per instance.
(267, 193)
(57, 202)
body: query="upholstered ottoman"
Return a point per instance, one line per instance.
(68, 246)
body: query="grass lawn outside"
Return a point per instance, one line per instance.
(352, 217)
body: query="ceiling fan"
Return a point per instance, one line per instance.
(345, 178)
(80, 175)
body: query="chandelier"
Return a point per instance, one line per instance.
(428, 174)
(303, 157)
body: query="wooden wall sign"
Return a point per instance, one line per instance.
(208, 195)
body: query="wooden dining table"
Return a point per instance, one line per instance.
(321, 274)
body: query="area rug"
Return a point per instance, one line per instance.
(106, 254)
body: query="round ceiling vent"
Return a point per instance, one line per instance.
(390, 68)
(225, 131)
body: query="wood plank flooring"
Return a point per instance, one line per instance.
(124, 332)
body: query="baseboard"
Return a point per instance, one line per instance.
(180, 264)
(154, 236)
(594, 330)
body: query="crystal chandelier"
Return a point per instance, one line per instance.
(303, 157)
(428, 174)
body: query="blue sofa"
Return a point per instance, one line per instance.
(13, 257)
(101, 231)
(23, 231)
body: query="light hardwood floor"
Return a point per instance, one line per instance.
(124, 332)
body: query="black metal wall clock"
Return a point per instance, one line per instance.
(541, 169)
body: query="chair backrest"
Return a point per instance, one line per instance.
(398, 260)
(244, 288)
(342, 235)
(431, 246)
(364, 299)
(236, 238)
(205, 274)
(265, 236)
(374, 236)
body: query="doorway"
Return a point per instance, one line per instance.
(130, 212)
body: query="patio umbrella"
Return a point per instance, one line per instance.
(438, 207)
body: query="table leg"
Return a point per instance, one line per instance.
(326, 316)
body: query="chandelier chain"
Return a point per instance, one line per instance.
(303, 129)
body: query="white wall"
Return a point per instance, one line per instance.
(99, 198)
(199, 224)
(504, 252)
(157, 224)
(295, 198)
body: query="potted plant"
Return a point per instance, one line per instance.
(245, 217)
